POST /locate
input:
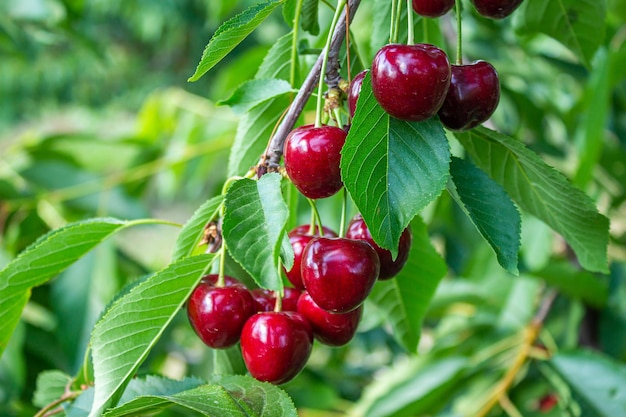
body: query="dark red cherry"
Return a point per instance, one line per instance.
(332, 329)
(217, 314)
(496, 9)
(276, 345)
(354, 90)
(389, 267)
(312, 156)
(299, 238)
(473, 96)
(432, 8)
(410, 81)
(339, 273)
(265, 300)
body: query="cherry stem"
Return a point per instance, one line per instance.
(275, 148)
(316, 215)
(459, 35)
(278, 306)
(344, 209)
(392, 28)
(409, 11)
(326, 52)
(220, 274)
(398, 18)
(294, 42)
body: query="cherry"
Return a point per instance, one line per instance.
(276, 345)
(496, 9)
(354, 90)
(389, 267)
(410, 81)
(312, 156)
(432, 8)
(265, 300)
(217, 314)
(299, 238)
(473, 96)
(333, 329)
(339, 273)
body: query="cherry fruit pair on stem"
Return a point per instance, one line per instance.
(494, 9)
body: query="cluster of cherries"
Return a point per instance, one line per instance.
(332, 276)
(331, 279)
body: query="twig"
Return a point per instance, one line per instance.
(271, 159)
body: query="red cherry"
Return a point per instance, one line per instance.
(389, 267)
(265, 300)
(354, 90)
(312, 156)
(299, 238)
(276, 345)
(473, 96)
(339, 273)
(548, 402)
(496, 9)
(410, 81)
(333, 329)
(217, 314)
(432, 8)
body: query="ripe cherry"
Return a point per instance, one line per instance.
(332, 329)
(410, 81)
(299, 238)
(432, 8)
(312, 156)
(354, 90)
(276, 345)
(217, 314)
(265, 300)
(339, 273)
(389, 267)
(473, 96)
(496, 9)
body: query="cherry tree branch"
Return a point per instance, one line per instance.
(271, 159)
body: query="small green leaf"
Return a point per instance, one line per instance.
(406, 298)
(254, 226)
(51, 385)
(310, 20)
(490, 209)
(122, 339)
(578, 24)
(598, 382)
(255, 92)
(231, 33)
(392, 168)
(46, 258)
(543, 192)
(192, 232)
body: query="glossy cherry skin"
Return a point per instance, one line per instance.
(389, 267)
(473, 96)
(332, 329)
(432, 8)
(265, 300)
(339, 273)
(496, 9)
(217, 314)
(312, 156)
(276, 345)
(299, 238)
(410, 81)
(355, 90)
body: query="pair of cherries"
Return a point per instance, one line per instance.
(494, 9)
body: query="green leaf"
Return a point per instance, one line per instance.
(309, 19)
(231, 33)
(51, 385)
(406, 298)
(255, 92)
(392, 168)
(46, 258)
(258, 398)
(575, 283)
(490, 209)
(289, 11)
(124, 336)
(256, 126)
(192, 232)
(578, 24)
(598, 382)
(254, 226)
(543, 192)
